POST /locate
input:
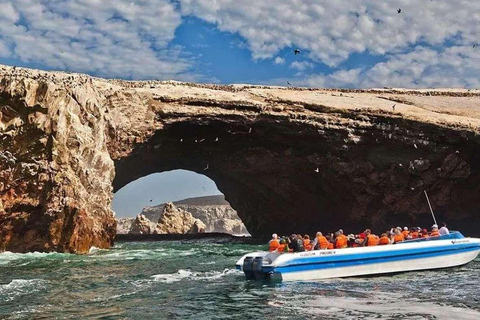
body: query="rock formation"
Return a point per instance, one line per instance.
(287, 159)
(213, 211)
(142, 225)
(177, 221)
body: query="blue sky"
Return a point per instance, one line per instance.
(343, 43)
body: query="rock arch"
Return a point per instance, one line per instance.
(288, 160)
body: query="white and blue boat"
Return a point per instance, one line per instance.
(444, 251)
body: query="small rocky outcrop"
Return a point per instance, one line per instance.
(124, 225)
(178, 221)
(141, 225)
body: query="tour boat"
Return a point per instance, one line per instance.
(412, 255)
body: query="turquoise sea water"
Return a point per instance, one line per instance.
(197, 280)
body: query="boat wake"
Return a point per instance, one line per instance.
(193, 276)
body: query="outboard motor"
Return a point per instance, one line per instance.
(247, 268)
(257, 268)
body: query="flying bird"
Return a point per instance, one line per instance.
(296, 51)
(206, 168)
(151, 200)
(475, 45)
(393, 107)
(216, 139)
(250, 130)
(399, 10)
(317, 170)
(289, 83)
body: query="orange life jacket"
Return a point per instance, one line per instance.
(340, 242)
(414, 234)
(330, 246)
(322, 242)
(384, 240)
(425, 235)
(405, 233)
(434, 234)
(273, 245)
(398, 238)
(372, 240)
(307, 244)
(281, 247)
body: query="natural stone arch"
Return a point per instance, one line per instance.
(288, 160)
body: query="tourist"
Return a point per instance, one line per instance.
(434, 232)
(320, 242)
(444, 229)
(282, 247)
(384, 240)
(296, 243)
(414, 234)
(398, 237)
(405, 232)
(340, 240)
(425, 233)
(273, 243)
(307, 244)
(370, 239)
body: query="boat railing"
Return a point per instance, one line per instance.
(451, 236)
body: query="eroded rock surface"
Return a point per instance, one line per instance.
(287, 159)
(213, 211)
(177, 221)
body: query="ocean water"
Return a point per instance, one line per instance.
(197, 280)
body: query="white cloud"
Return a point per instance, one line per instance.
(279, 60)
(301, 65)
(120, 38)
(330, 31)
(457, 66)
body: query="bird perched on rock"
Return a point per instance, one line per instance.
(296, 51)
(393, 107)
(399, 10)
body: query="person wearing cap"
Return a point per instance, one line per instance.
(444, 229)
(398, 237)
(405, 232)
(273, 243)
(434, 232)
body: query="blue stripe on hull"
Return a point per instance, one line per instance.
(368, 258)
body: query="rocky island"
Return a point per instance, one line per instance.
(287, 159)
(214, 212)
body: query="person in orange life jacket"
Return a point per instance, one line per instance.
(274, 243)
(282, 247)
(414, 234)
(370, 239)
(398, 237)
(359, 240)
(384, 240)
(340, 241)
(434, 232)
(307, 244)
(405, 233)
(425, 233)
(320, 242)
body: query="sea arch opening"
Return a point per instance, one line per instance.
(187, 190)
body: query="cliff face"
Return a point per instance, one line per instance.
(213, 211)
(288, 160)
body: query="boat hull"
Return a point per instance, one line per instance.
(352, 262)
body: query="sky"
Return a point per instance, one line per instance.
(342, 43)
(160, 188)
